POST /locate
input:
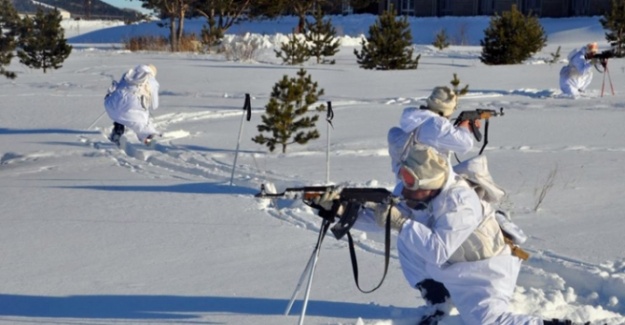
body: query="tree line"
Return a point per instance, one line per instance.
(292, 111)
(510, 38)
(222, 14)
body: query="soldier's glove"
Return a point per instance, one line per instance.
(381, 212)
(328, 201)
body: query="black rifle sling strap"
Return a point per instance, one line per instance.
(485, 136)
(387, 254)
(322, 233)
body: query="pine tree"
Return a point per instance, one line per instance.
(287, 115)
(614, 21)
(321, 37)
(295, 51)
(441, 40)
(42, 42)
(9, 22)
(389, 45)
(455, 82)
(512, 38)
(555, 57)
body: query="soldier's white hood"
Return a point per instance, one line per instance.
(413, 117)
(138, 75)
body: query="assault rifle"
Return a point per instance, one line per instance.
(352, 199)
(605, 55)
(602, 58)
(473, 116)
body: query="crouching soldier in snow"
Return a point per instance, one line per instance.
(577, 75)
(430, 125)
(128, 103)
(449, 244)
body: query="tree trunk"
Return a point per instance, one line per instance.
(301, 24)
(180, 28)
(173, 42)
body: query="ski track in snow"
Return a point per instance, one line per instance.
(549, 284)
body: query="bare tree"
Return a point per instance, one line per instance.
(542, 191)
(175, 11)
(300, 8)
(220, 16)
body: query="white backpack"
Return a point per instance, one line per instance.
(475, 170)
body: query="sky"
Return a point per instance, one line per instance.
(95, 234)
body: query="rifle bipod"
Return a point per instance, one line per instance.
(309, 271)
(606, 72)
(351, 200)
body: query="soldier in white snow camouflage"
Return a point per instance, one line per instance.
(129, 101)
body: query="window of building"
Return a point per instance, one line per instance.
(406, 7)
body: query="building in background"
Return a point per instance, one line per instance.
(46, 7)
(541, 8)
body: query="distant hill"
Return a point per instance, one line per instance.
(97, 10)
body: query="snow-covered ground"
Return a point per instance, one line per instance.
(91, 234)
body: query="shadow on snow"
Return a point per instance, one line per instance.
(176, 307)
(44, 131)
(192, 188)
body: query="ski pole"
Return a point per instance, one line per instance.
(96, 120)
(606, 72)
(329, 118)
(603, 84)
(610, 79)
(112, 87)
(247, 108)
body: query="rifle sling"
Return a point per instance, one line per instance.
(485, 137)
(387, 254)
